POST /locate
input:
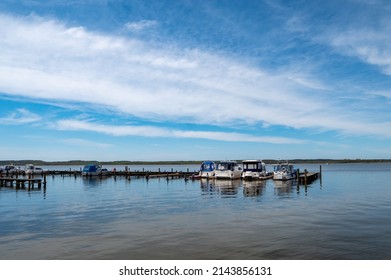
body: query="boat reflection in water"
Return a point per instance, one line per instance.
(208, 187)
(224, 188)
(284, 188)
(253, 188)
(91, 182)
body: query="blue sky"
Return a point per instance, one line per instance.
(195, 80)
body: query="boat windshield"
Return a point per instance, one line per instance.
(29, 167)
(283, 168)
(253, 166)
(225, 166)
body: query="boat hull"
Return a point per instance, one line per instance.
(284, 176)
(207, 174)
(228, 175)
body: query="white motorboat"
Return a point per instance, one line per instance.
(228, 170)
(207, 169)
(284, 171)
(31, 169)
(255, 169)
(10, 169)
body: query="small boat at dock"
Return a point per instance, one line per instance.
(255, 169)
(207, 169)
(10, 169)
(228, 170)
(94, 170)
(31, 169)
(284, 171)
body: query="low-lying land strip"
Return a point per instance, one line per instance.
(268, 161)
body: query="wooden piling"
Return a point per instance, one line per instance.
(305, 177)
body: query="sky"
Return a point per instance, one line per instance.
(195, 80)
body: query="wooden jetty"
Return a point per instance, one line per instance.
(306, 177)
(21, 182)
(136, 173)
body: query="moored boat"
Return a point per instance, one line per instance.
(31, 169)
(284, 171)
(255, 169)
(207, 169)
(10, 169)
(94, 170)
(228, 170)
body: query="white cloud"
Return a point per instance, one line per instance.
(386, 94)
(20, 116)
(48, 60)
(370, 44)
(141, 25)
(153, 131)
(85, 143)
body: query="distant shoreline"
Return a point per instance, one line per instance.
(268, 161)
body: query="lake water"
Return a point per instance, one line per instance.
(345, 215)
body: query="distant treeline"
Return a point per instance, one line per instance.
(268, 161)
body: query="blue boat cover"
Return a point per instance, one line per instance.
(90, 168)
(208, 166)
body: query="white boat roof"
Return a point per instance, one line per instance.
(252, 160)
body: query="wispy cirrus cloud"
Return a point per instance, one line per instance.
(370, 45)
(85, 143)
(386, 94)
(141, 25)
(48, 60)
(154, 131)
(20, 116)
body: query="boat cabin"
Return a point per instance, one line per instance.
(284, 168)
(254, 166)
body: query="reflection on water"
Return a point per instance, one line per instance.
(223, 188)
(253, 188)
(91, 182)
(347, 217)
(227, 188)
(285, 188)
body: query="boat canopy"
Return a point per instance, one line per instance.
(208, 166)
(283, 167)
(91, 168)
(253, 165)
(227, 165)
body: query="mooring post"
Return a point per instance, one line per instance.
(320, 175)
(30, 176)
(305, 177)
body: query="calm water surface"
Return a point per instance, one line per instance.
(346, 215)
